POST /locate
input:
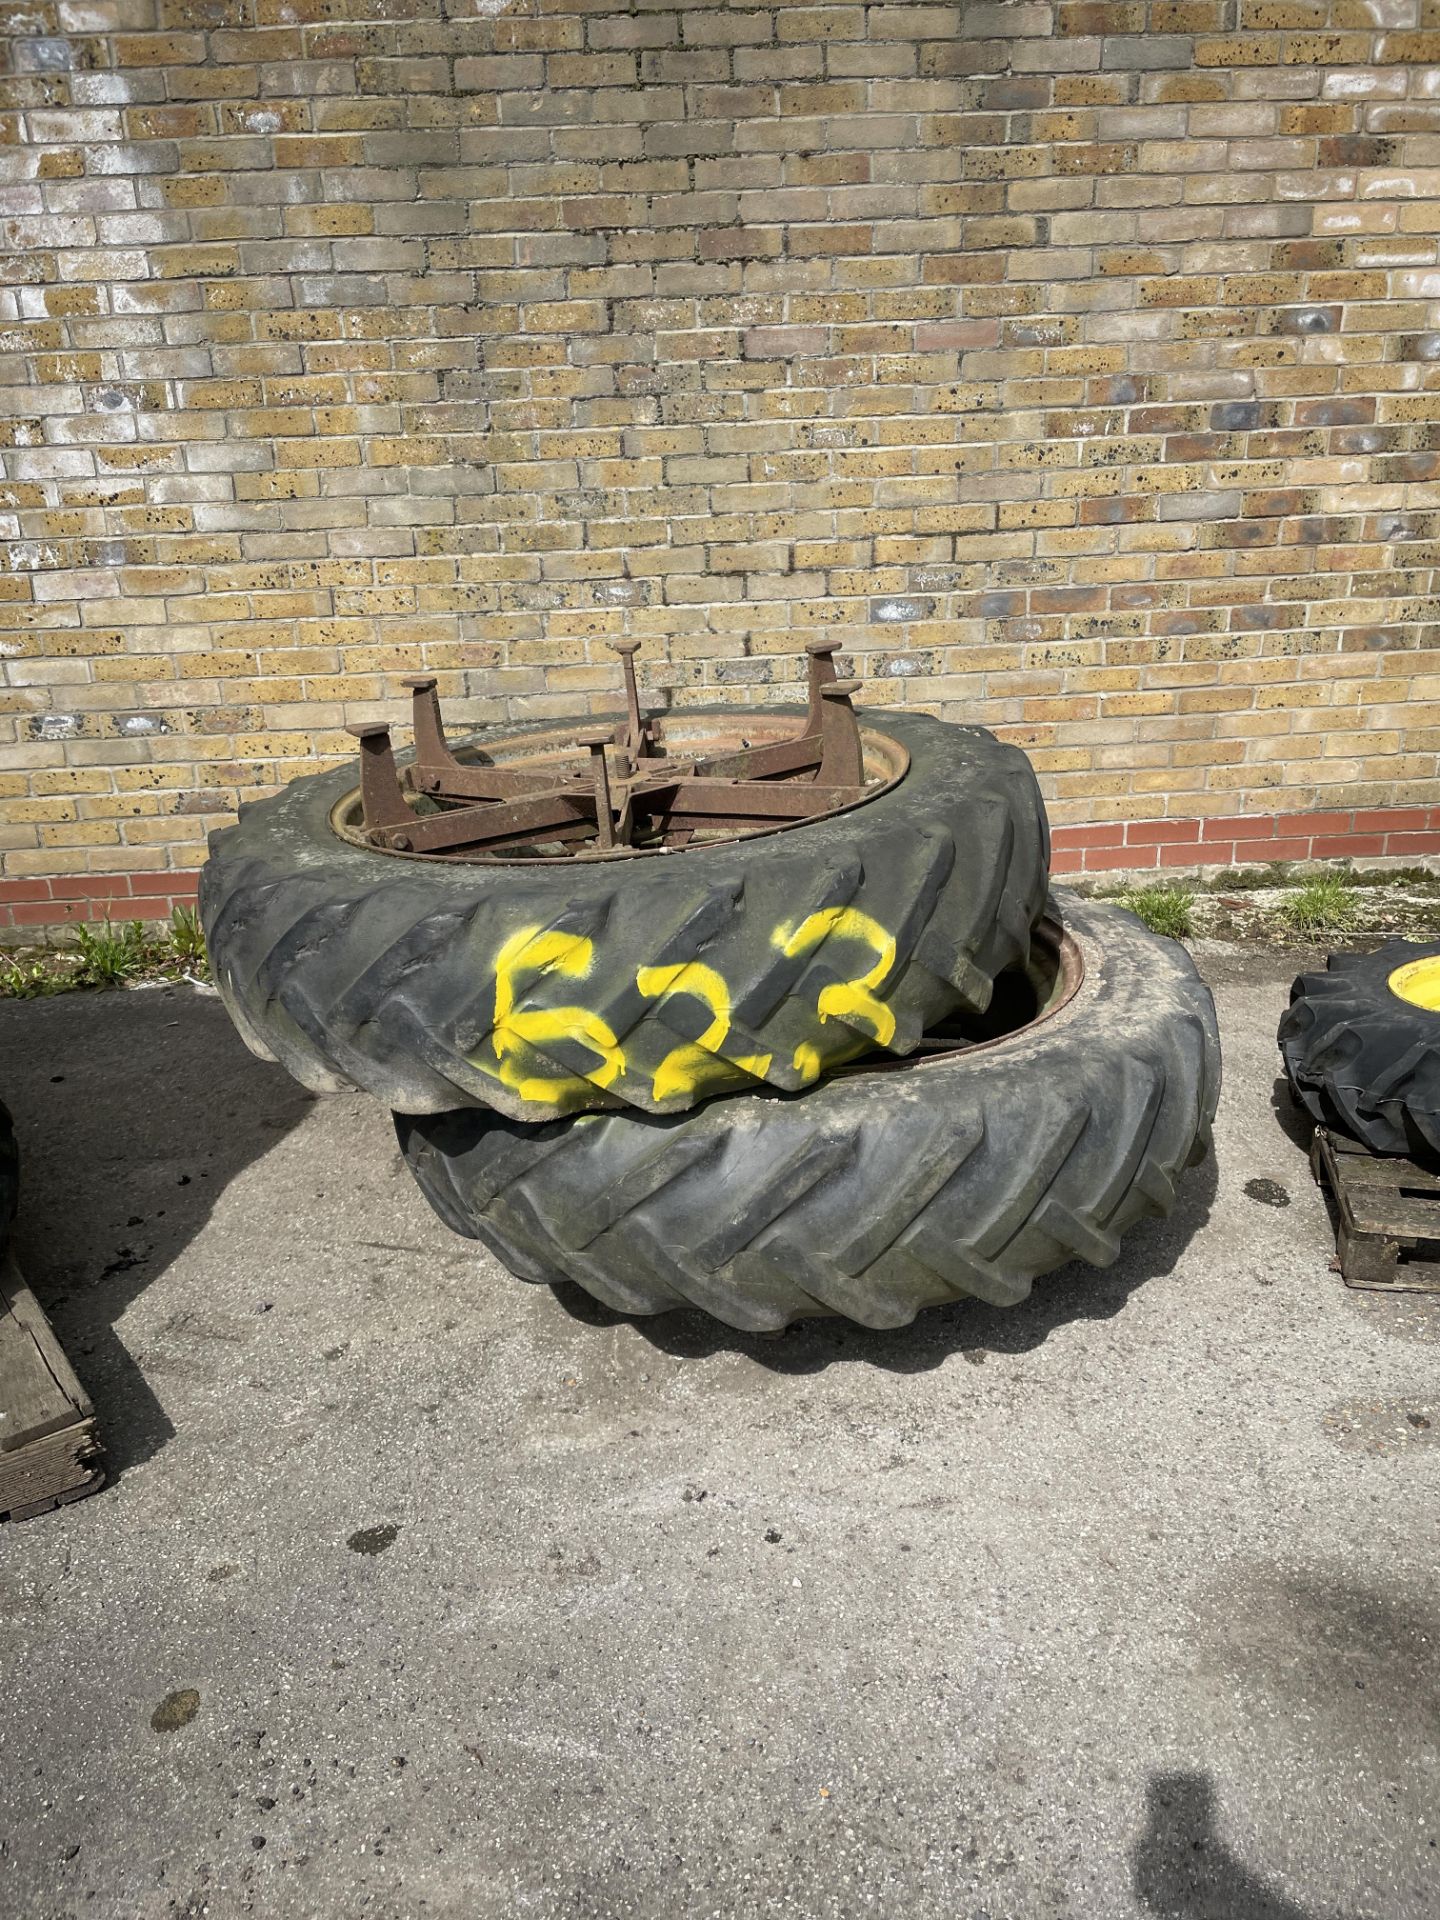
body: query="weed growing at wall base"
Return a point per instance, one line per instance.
(1328, 904)
(105, 955)
(1164, 908)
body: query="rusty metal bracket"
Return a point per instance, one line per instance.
(381, 795)
(627, 791)
(637, 737)
(436, 771)
(803, 753)
(841, 762)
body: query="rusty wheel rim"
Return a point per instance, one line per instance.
(1056, 973)
(884, 761)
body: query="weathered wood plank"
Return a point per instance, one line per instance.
(1364, 1169)
(1387, 1211)
(48, 1449)
(1385, 1208)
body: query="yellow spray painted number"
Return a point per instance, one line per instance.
(847, 1000)
(687, 1067)
(521, 1034)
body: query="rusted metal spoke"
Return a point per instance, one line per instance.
(821, 670)
(496, 824)
(842, 761)
(625, 821)
(382, 801)
(637, 738)
(612, 786)
(436, 771)
(597, 739)
(723, 803)
(433, 758)
(801, 755)
(501, 783)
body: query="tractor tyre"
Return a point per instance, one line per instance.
(654, 981)
(891, 1187)
(1361, 1044)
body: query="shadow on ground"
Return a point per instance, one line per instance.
(133, 1112)
(1294, 1122)
(1182, 1868)
(968, 1327)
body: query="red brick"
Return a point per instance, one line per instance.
(14, 891)
(1131, 857)
(1352, 846)
(1145, 833)
(1413, 842)
(1293, 823)
(1394, 819)
(90, 886)
(1067, 860)
(1273, 850)
(1112, 836)
(32, 914)
(181, 885)
(1240, 827)
(1182, 853)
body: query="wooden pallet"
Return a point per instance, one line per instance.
(1387, 1215)
(48, 1449)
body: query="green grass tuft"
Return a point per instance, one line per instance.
(26, 979)
(1328, 903)
(184, 945)
(106, 956)
(1166, 907)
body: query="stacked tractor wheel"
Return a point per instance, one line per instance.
(1361, 1044)
(766, 1013)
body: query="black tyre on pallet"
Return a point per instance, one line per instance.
(1361, 1044)
(892, 1187)
(651, 981)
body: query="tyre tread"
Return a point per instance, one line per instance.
(1360, 1060)
(378, 976)
(1112, 1109)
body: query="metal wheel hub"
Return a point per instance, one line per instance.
(644, 784)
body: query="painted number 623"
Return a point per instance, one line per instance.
(522, 1033)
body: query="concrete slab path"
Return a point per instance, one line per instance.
(420, 1592)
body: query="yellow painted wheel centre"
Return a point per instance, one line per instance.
(1418, 981)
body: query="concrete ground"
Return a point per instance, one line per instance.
(420, 1592)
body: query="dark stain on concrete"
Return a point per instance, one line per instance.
(176, 1710)
(373, 1540)
(1269, 1193)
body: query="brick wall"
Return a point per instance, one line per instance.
(1079, 364)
